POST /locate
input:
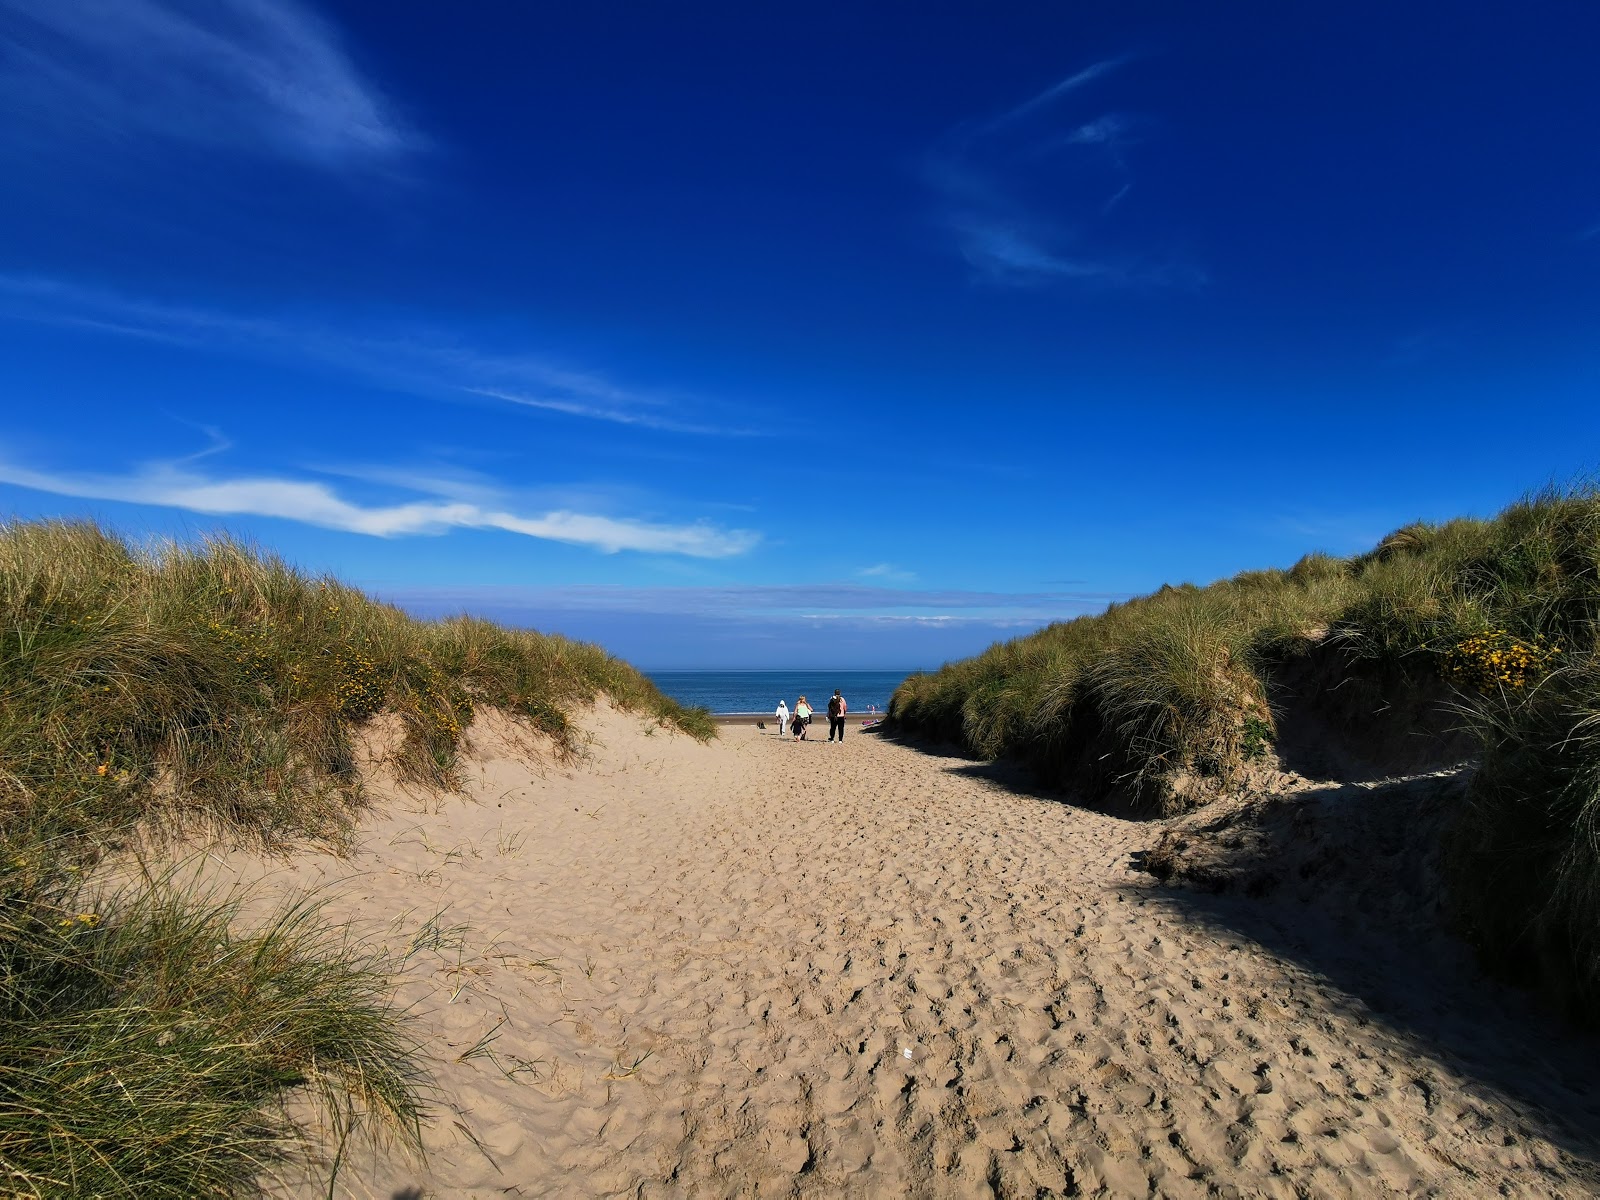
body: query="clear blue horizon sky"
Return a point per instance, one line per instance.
(730, 336)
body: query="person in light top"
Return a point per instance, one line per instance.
(802, 718)
(783, 718)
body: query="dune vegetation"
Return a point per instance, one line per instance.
(1470, 640)
(149, 1044)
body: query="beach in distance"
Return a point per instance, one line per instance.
(756, 693)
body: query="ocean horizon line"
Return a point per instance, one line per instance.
(754, 692)
(780, 670)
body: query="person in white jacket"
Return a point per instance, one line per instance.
(783, 718)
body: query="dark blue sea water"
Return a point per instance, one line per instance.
(760, 691)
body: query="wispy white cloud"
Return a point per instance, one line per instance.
(1102, 131)
(887, 571)
(421, 361)
(1116, 197)
(1000, 237)
(217, 442)
(733, 599)
(697, 629)
(174, 485)
(749, 625)
(1021, 251)
(571, 407)
(926, 620)
(263, 75)
(1026, 202)
(427, 478)
(1055, 91)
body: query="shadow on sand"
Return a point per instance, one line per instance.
(1018, 778)
(1422, 984)
(1343, 881)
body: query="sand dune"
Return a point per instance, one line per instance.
(762, 968)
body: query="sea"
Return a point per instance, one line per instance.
(760, 691)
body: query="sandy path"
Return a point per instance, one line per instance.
(705, 967)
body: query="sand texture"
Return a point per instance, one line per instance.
(758, 968)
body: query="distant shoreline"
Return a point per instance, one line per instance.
(819, 720)
(751, 696)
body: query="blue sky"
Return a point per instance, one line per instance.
(736, 336)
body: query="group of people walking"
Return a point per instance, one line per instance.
(793, 725)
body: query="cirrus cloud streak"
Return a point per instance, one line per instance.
(262, 75)
(418, 360)
(168, 485)
(810, 600)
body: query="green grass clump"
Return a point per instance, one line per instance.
(148, 1047)
(145, 1047)
(217, 682)
(1161, 697)
(1170, 698)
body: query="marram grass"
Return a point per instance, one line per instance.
(1168, 699)
(1164, 687)
(214, 681)
(149, 1046)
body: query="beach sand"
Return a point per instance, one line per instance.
(761, 968)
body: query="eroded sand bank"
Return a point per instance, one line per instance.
(761, 968)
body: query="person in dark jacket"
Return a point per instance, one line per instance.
(836, 710)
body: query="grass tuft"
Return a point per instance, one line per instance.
(1173, 698)
(147, 1046)
(150, 1047)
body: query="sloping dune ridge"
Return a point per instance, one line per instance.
(761, 968)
